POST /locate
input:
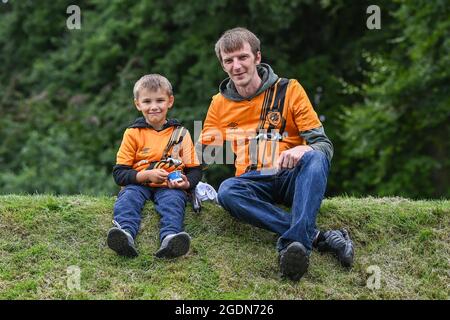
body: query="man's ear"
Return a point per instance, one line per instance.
(136, 104)
(171, 101)
(258, 57)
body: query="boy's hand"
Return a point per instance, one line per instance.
(154, 175)
(157, 175)
(179, 185)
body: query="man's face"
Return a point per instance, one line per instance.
(240, 65)
(154, 105)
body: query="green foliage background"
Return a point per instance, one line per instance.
(66, 95)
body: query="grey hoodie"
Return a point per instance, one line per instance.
(315, 138)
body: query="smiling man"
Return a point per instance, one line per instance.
(282, 154)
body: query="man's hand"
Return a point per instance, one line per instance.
(180, 184)
(154, 175)
(289, 158)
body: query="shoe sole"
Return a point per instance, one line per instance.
(345, 255)
(118, 242)
(294, 262)
(177, 246)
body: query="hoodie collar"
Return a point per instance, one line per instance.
(141, 123)
(265, 72)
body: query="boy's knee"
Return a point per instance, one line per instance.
(175, 195)
(132, 191)
(181, 195)
(132, 188)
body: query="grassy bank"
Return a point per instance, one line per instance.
(41, 236)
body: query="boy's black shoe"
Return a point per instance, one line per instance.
(121, 242)
(338, 242)
(174, 245)
(294, 261)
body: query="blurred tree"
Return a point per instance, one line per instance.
(397, 139)
(66, 95)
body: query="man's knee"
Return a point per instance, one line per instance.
(227, 191)
(316, 160)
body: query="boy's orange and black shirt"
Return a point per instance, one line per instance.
(143, 147)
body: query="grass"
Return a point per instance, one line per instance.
(42, 235)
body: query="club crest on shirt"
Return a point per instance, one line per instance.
(232, 125)
(274, 118)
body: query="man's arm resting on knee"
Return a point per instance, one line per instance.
(318, 140)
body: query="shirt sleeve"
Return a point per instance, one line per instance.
(304, 115)
(212, 133)
(124, 175)
(127, 150)
(188, 154)
(194, 175)
(318, 140)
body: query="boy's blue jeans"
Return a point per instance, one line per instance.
(169, 203)
(251, 196)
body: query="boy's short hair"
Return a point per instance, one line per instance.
(152, 82)
(234, 39)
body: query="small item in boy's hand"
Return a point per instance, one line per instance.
(175, 176)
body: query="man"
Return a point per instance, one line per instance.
(264, 116)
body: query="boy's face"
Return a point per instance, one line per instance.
(154, 106)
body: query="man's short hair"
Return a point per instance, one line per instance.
(234, 39)
(152, 82)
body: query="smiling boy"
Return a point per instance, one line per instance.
(152, 147)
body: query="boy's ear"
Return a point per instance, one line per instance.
(136, 103)
(171, 101)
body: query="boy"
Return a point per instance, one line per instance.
(152, 147)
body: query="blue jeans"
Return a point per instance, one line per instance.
(169, 203)
(251, 197)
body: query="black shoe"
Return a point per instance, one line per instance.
(174, 245)
(121, 242)
(338, 242)
(294, 261)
